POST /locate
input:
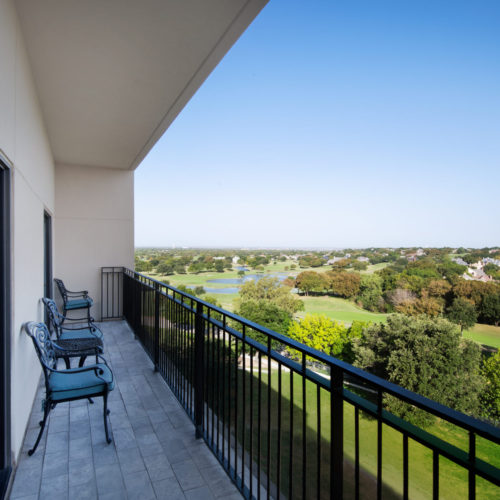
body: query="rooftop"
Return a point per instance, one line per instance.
(154, 453)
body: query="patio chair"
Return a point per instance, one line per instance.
(68, 385)
(74, 300)
(77, 338)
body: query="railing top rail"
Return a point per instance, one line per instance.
(469, 423)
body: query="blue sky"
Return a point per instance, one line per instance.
(337, 124)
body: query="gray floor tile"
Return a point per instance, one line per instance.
(139, 487)
(168, 489)
(188, 475)
(81, 471)
(130, 461)
(158, 467)
(202, 493)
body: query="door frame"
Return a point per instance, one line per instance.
(5, 325)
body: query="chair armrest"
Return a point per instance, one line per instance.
(82, 293)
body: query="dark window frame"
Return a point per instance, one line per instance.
(47, 254)
(5, 327)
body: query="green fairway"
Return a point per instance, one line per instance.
(339, 309)
(485, 334)
(375, 267)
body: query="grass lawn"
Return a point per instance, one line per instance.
(453, 479)
(339, 309)
(375, 267)
(485, 334)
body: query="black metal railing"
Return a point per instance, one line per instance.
(309, 427)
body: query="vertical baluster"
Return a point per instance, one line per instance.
(318, 441)
(472, 465)
(336, 431)
(405, 466)
(268, 416)
(259, 425)
(356, 453)
(244, 407)
(379, 444)
(435, 475)
(199, 363)
(278, 458)
(304, 427)
(290, 458)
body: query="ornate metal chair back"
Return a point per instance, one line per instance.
(55, 317)
(40, 336)
(62, 289)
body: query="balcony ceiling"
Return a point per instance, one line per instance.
(112, 75)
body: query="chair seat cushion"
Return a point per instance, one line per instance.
(67, 384)
(78, 304)
(80, 333)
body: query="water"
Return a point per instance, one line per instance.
(228, 289)
(239, 281)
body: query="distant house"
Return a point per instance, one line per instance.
(489, 260)
(411, 257)
(473, 274)
(363, 259)
(459, 261)
(335, 259)
(235, 259)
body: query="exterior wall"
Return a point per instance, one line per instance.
(94, 226)
(24, 142)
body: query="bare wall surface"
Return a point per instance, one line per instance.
(24, 142)
(94, 225)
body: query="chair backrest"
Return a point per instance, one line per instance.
(55, 317)
(62, 289)
(40, 336)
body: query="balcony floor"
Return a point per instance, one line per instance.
(154, 453)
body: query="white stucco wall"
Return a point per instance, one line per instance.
(94, 225)
(24, 142)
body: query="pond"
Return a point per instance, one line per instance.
(239, 282)
(248, 277)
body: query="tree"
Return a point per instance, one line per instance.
(241, 273)
(424, 355)
(462, 312)
(360, 265)
(324, 334)
(309, 281)
(489, 309)
(370, 292)
(219, 266)
(490, 397)
(344, 283)
(265, 313)
(272, 290)
(165, 268)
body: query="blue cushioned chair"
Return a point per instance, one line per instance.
(73, 301)
(70, 384)
(74, 336)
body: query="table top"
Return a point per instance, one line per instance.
(78, 347)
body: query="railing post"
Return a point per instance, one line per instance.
(157, 327)
(337, 431)
(199, 369)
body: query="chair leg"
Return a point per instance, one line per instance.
(46, 412)
(105, 414)
(67, 361)
(82, 361)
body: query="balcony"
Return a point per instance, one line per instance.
(308, 427)
(154, 453)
